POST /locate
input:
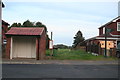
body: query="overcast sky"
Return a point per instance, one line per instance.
(63, 18)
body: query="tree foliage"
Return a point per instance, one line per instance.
(78, 39)
(47, 41)
(61, 46)
(28, 23)
(14, 25)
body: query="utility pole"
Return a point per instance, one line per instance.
(119, 8)
(51, 44)
(0, 25)
(105, 42)
(0, 39)
(51, 35)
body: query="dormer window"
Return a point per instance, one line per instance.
(118, 26)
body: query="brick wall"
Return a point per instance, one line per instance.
(42, 46)
(4, 30)
(8, 47)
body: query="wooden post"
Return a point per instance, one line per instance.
(0, 27)
(52, 44)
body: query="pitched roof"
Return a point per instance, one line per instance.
(109, 36)
(115, 33)
(4, 23)
(114, 20)
(25, 31)
(102, 37)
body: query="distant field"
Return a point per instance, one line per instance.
(67, 54)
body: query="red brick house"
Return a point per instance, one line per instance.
(4, 26)
(26, 42)
(4, 30)
(97, 44)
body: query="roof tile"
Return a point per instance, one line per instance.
(25, 31)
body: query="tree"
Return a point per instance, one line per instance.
(78, 39)
(61, 46)
(19, 25)
(28, 24)
(14, 25)
(39, 24)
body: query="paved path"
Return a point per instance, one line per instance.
(67, 62)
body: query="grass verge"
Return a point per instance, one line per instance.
(67, 54)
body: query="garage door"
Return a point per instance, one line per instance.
(23, 47)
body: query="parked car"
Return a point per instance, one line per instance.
(118, 53)
(118, 49)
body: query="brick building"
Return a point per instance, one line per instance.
(97, 44)
(26, 42)
(4, 30)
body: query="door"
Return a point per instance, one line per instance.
(24, 47)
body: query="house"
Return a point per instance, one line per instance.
(4, 40)
(26, 42)
(4, 30)
(4, 25)
(97, 44)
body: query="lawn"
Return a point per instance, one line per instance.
(67, 54)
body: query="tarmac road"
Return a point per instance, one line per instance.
(59, 71)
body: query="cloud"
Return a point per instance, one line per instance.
(63, 19)
(71, 29)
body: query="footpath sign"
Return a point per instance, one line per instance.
(51, 44)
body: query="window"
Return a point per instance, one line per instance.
(118, 26)
(109, 30)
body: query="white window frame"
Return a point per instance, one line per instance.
(118, 23)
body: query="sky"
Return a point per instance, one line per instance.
(63, 18)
